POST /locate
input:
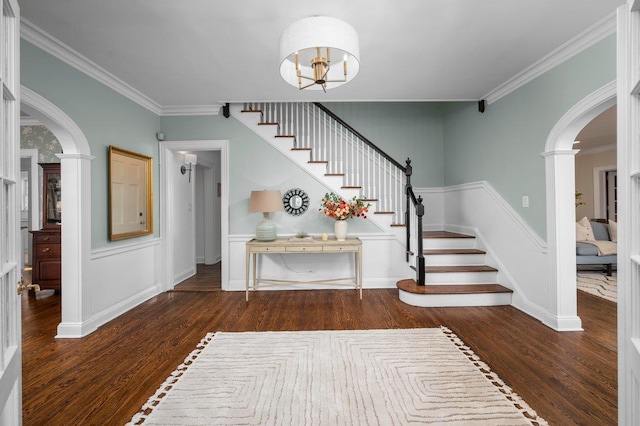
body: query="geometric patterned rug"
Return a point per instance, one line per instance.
(599, 284)
(360, 377)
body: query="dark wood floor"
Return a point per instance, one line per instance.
(104, 378)
(207, 278)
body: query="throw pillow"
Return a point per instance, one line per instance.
(584, 231)
(613, 231)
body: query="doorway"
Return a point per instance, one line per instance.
(206, 204)
(75, 165)
(179, 227)
(560, 196)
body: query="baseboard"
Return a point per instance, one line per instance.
(188, 273)
(77, 330)
(573, 323)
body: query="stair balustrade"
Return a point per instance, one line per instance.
(379, 177)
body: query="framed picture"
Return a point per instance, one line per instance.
(130, 194)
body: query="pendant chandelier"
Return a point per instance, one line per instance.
(319, 53)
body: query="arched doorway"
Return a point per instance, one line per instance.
(560, 189)
(75, 163)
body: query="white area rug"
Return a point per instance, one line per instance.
(364, 377)
(599, 284)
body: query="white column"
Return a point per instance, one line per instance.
(76, 245)
(561, 237)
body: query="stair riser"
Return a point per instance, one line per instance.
(452, 300)
(460, 277)
(448, 243)
(453, 259)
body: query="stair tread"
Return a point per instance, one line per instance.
(399, 225)
(453, 251)
(300, 149)
(318, 162)
(459, 268)
(444, 234)
(384, 212)
(285, 136)
(268, 124)
(411, 286)
(252, 110)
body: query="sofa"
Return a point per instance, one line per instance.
(587, 254)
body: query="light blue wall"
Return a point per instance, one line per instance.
(255, 165)
(503, 145)
(401, 129)
(104, 116)
(450, 143)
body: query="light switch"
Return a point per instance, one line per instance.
(525, 201)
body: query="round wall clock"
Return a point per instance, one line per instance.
(295, 201)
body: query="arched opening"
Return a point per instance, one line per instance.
(75, 163)
(560, 189)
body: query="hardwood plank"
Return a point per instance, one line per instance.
(104, 378)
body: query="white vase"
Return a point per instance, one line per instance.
(340, 228)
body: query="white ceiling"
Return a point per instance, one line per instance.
(204, 52)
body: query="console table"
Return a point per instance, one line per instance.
(292, 246)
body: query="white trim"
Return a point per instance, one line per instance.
(56, 120)
(29, 121)
(59, 50)
(34, 209)
(595, 33)
(599, 198)
(560, 188)
(597, 150)
(77, 330)
(76, 234)
(114, 251)
(513, 215)
(566, 129)
(165, 161)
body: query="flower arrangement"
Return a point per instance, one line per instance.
(579, 201)
(335, 207)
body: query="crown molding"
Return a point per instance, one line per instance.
(595, 33)
(178, 110)
(59, 50)
(597, 150)
(29, 121)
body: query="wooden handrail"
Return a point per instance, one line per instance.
(359, 135)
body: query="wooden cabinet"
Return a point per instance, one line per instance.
(47, 247)
(47, 261)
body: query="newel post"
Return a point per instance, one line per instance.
(407, 213)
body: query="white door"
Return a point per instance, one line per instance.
(628, 81)
(10, 333)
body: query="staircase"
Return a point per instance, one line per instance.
(450, 266)
(334, 153)
(455, 275)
